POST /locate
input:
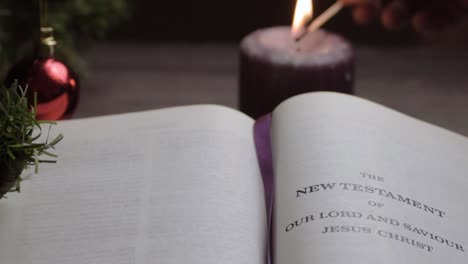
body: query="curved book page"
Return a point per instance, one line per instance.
(359, 183)
(180, 185)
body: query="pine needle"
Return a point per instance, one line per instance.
(19, 131)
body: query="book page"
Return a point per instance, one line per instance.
(180, 185)
(359, 183)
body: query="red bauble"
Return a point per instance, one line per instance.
(56, 85)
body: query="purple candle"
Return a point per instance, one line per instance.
(274, 66)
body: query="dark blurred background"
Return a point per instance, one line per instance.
(212, 20)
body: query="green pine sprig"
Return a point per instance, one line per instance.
(20, 132)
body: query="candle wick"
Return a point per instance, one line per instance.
(305, 30)
(298, 43)
(301, 36)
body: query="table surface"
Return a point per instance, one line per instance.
(430, 83)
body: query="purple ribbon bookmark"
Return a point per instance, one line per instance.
(265, 160)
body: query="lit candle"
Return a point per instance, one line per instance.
(275, 65)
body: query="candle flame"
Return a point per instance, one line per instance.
(302, 14)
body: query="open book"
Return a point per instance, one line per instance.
(354, 182)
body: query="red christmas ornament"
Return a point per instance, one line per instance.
(55, 84)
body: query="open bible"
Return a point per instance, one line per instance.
(352, 182)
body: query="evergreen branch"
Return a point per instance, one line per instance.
(20, 131)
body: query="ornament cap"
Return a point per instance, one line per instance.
(48, 40)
